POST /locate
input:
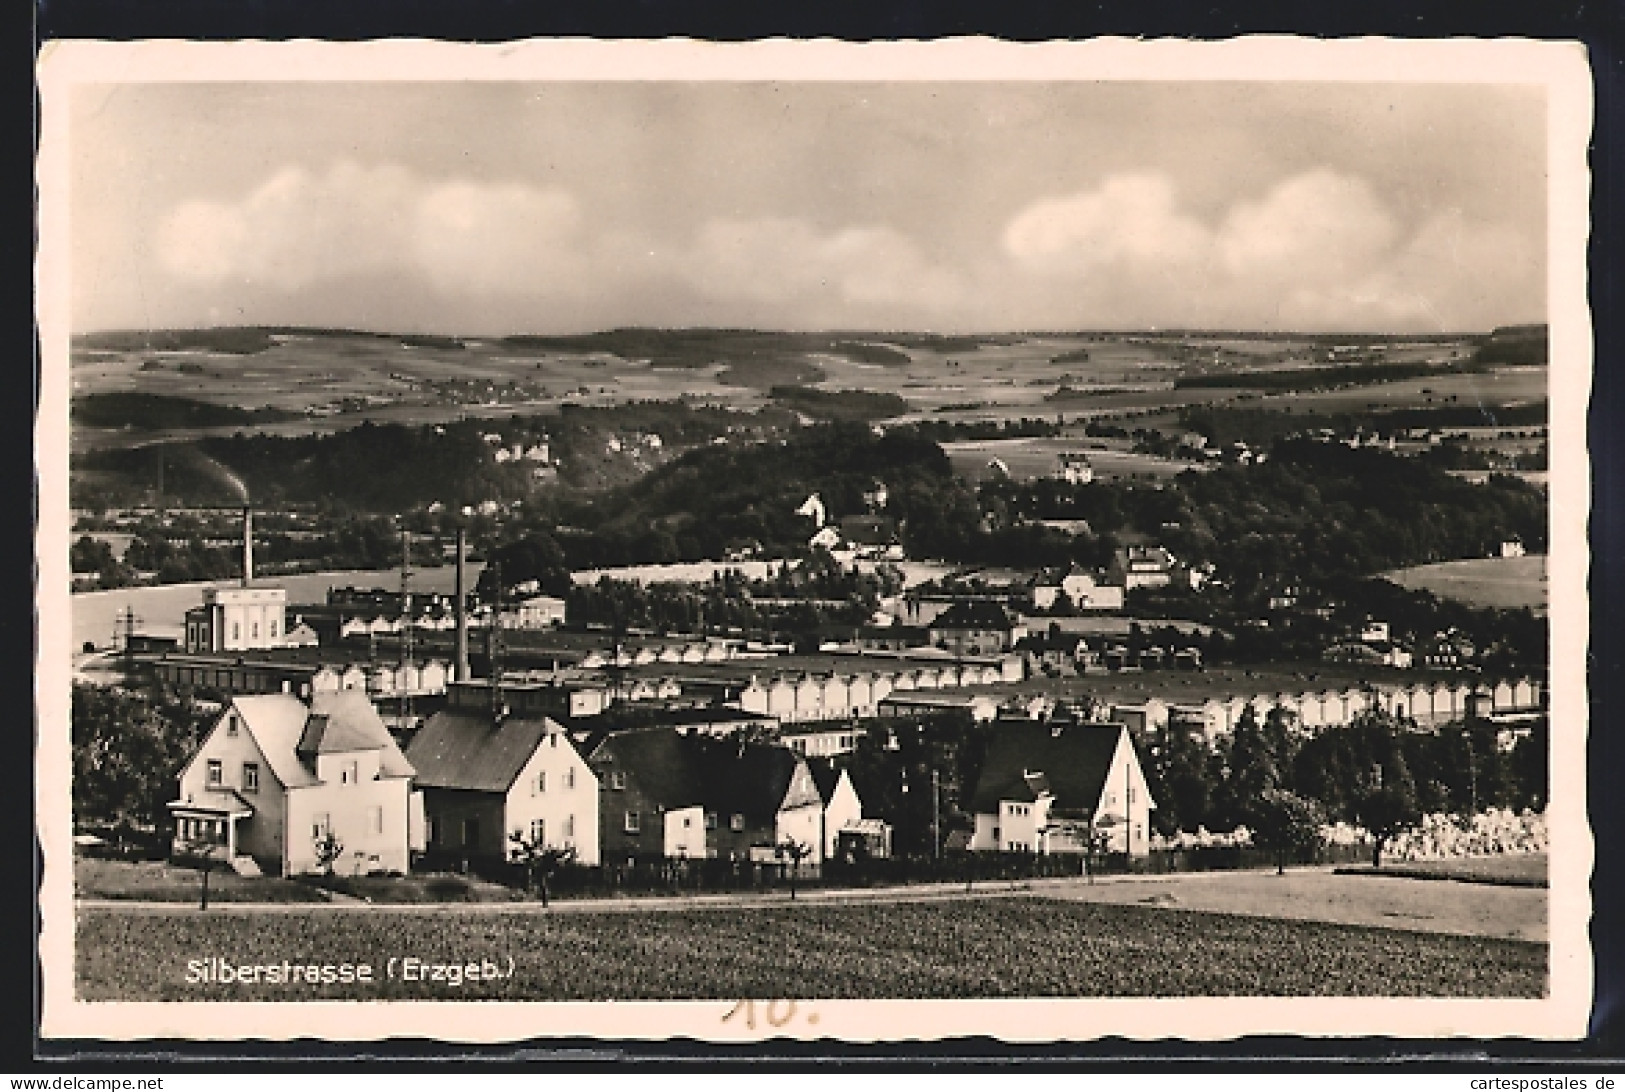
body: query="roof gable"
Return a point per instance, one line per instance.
(1025, 759)
(972, 614)
(465, 749)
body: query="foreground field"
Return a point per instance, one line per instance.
(965, 948)
(1425, 898)
(1482, 582)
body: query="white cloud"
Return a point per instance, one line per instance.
(1316, 250)
(1319, 249)
(781, 261)
(1131, 218)
(300, 228)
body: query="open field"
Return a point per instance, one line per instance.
(973, 947)
(1036, 457)
(1511, 870)
(1482, 582)
(1422, 896)
(342, 378)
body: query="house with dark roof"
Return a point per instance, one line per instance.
(486, 777)
(1047, 787)
(275, 775)
(975, 627)
(666, 795)
(842, 810)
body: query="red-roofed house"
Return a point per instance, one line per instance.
(275, 774)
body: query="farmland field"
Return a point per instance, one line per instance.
(1030, 458)
(1504, 582)
(965, 948)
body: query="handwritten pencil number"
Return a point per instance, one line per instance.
(777, 1013)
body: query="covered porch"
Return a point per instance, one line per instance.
(207, 821)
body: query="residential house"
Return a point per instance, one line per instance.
(975, 627)
(842, 810)
(486, 777)
(1044, 787)
(670, 796)
(274, 776)
(1141, 567)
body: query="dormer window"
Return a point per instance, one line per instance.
(617, 780)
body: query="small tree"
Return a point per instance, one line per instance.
(1284, 821)
(796, 852)
(1385, 812)
(541, 862)
(329, 848)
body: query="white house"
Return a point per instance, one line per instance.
(274, 776)
(485, 778)
(842, 810)
(1045, 787)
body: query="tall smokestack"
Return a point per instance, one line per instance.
(461, 665)
(248, 545)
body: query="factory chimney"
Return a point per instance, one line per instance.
(248, 545)
(460, 666)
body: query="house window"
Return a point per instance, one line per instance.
(570, 778)
(736, 822)
(1131, 794)
(569, 826)
(1111, 798)
(995, 834)
(632, 824)
(236, 631)
(541, 782)
(377, 820)
(710, 820)
(231, 724)
(273, 629)
(351, 773)
(254, 631)
(688, 821)
(320, 824)
(471, 832)
(216, 772)
(617, 780)
(538, 831)
(251, 777)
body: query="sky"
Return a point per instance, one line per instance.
(506, 207)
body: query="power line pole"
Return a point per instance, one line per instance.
(406, 630)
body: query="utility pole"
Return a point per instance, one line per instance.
(406, 630)
(936, 814)
(127, 621)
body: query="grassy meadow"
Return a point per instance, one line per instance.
(965, 948)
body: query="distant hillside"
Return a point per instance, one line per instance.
(840, 405)
(242, 340)
(1515, 345)
(121, 409)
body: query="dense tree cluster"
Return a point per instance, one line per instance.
(128, 750)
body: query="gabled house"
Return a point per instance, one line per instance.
(671, 796)
(484, 778)
(1142, 567)
(842, 810)
(1044, 787)
(275, 775)
(975, 627)
(643, 778)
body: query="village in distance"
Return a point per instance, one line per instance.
(902, 638)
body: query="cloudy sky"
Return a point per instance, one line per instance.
(539, 207)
